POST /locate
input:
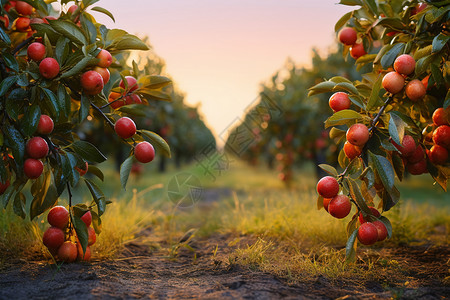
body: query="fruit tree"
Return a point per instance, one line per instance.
(54, 69)
(398, 119)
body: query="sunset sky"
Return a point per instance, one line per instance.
(219, 52)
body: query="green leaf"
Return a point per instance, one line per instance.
(388, 59)
(393, 23)
(323, 87)
(63, 100)
(129, 42)
(154, 81)
(87, 3)
(104, 11)
(396, 128)
(97, 172)
(372, 6)
(69, 30)
(82, 231)
(4, 37)
(157, 141)
(62, 50)
(52, 102)
(422, 65)
(388, 225)
(342, 117)
(447, 100)
(96, 222)
(19, 205)
(374, 98)
(356, 194)
(45, 197)
(138, 110)
(16, 142)
(346, 87)
(80, 66)
(329, 169)
(31, 119)
(85, 105)
(97, 195)
(437, 75)
(384, 169)
(10, 61)
(351, 2)
(125, 169)
(155, 95)
(6, 84)
(342, 21)
(381, 53)
(350, 248)
(88, 151)
(439, 42)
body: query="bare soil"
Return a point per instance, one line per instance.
(142, 272)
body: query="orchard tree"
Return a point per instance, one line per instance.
(55, 78)
(398, 119)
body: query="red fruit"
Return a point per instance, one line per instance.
(367, 234)
(49, 68)
(441, 136)
(5, 20)
(83, 256)
(326, 202)
(92, 82)
(417, 156)
(357, 51)
(45, 125)
(125, 127)
(9, 5)
(417, 168)
(393, 82)
(83, 171)
(4, 186)
(351, 151)
(68, 251)
(418, 8)
(23, 24)
(105, 58)
(37, 147)
(144, 152)
(441, 117)
(132, 83)
(415, 90)
(347, 36)
(24, 8)
(328, 187)
(92, 237)
(133, 99)
(87, 218)
(116, 104)
(339, 206)
(408, 146)
(33, 168)
(438, 155)
(404, 64)
(382, 230)
(339, 101)
(358, 134)
(58, 216)
(53, 238)
(374, 211)
(36, 51)
(104, 72)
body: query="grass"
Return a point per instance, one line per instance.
(271, 228)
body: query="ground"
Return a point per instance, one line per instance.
(142, 271)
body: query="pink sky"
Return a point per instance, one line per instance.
(219, 52)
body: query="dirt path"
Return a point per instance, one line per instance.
(139, 273)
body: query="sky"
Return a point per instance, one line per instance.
(219, 52)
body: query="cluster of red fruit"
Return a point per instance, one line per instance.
(440, 137)
(339, 206)
(61, 239)
(23, 21)
(126, 128)
(127, 97)
(348, 37)
(394, 81)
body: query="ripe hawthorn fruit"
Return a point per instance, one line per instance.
(68, 252)
(441, 117)
(404, 64)
(105, 59)
(358, 134)
(37, 147)
(45, 125)
(33, 168)
(4, 186)
(132, 84)
(339, 206)
(49, 68)
(382, 230)
(417, 156)
(357, 50)
(326, 202)
(24, 8)
(125, 127)
(441, 136)
(91, 82)
(339, 101)
(415, 90)
(408, 146)
(104, 72)
(347, 36)
(36, 51)
(144, 152)
(328, 187)
(438, 155)
(92, 237)
(351, 151)
(53, 238)
(367, 234)
(417, 168)
(23, 24)
(87, 218)
(393, 82)
(58, 217)
(83, 171)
